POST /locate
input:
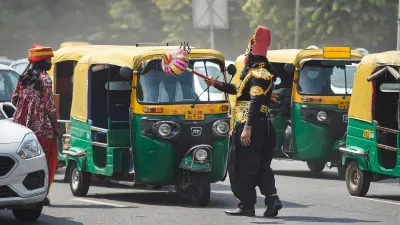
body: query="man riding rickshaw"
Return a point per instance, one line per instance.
(146, 126)
(371, 152)
(311, 102)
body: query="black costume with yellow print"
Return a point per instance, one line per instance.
(249, 166)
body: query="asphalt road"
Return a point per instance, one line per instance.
(307, 198)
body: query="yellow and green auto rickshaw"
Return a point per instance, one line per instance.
(151, 128)
(371, 152)
(61, 73)
(311, 100)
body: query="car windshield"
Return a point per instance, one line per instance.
(20, 68)
(8, 82)
(159, 87)
(326, 78)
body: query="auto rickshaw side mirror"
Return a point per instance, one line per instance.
(231, 69)
(289, 68)
(126, 72)
(278, 81)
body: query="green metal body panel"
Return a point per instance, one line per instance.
(311, 142)
(356, 140)
(156, 161)
(279, 123)
(61, 157)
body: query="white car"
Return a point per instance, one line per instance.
(20, 65)
(214, 71)
(23, 171)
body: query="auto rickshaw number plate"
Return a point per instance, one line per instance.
(343, 105)
(194, 115)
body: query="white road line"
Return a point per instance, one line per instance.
(376, 200)
(98, 203)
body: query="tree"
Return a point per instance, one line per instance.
(278, 16)
(358, 23)
(370, 24)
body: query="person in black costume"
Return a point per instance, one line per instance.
(252, 139)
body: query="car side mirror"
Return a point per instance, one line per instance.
(126, 72)
(231, 69)
(289, 68)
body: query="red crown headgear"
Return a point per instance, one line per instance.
(259, 43)
(38, 53)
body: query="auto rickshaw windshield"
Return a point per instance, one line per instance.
(320, 78)
(8, 82)
(156, 86)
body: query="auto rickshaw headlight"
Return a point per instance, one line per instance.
(164, 130)
(200, 154)
(221, 127)
(321, 116)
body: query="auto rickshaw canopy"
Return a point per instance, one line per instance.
(360, 103)
(72, 53)
(131, 57)
(73, 43)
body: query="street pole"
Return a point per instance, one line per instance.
(211, 5)
(296, 31)
(398, 28)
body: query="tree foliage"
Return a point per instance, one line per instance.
(357, 23)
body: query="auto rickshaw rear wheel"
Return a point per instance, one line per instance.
(357, 180)
(341, 171)
(316, 166)
(79, 181)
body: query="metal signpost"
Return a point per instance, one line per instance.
(398, 28)
(210, 14)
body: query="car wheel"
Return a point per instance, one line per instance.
(79, 181)
(357, 180)
(28, 215)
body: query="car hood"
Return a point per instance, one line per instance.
(11, 132)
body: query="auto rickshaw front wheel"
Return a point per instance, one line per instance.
(357, 180)
(316, 167)
(79, 181)
(198, 189)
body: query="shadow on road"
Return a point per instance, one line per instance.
(90, 207)
(218, 200)
(308, 174)
(43, 220)
(312, 219)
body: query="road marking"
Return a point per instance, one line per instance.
(98, 203)
(376, 200)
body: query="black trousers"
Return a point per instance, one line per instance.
(250, 166)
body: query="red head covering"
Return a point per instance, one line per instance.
(259, 43)
(38, 53)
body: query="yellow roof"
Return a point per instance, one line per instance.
(295, 55)
(130, 56)
(73, 43)
(361, 97)
(74, 53)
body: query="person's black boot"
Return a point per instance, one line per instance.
(273, 206)
(46, 201)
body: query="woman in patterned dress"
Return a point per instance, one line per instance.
(35, 108)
